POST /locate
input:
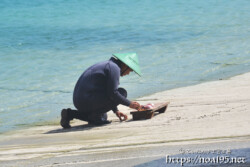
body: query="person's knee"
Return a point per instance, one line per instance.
(123, 92)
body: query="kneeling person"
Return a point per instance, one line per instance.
(96, 91)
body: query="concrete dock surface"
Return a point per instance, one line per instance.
(205, 117)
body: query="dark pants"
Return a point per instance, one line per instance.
(98, 104)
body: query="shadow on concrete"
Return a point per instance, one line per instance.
(72, 129)
(237, 158)
(87, 126)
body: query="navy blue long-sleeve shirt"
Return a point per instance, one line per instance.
(101, 78)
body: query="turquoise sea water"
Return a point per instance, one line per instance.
(45, 45)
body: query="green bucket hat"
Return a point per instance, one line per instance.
(131, 60)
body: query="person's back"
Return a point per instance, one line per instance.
(85, 84)
(95, 80)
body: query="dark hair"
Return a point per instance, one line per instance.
(119, 62)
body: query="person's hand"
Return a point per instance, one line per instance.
(135, 105)
(121, 116)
